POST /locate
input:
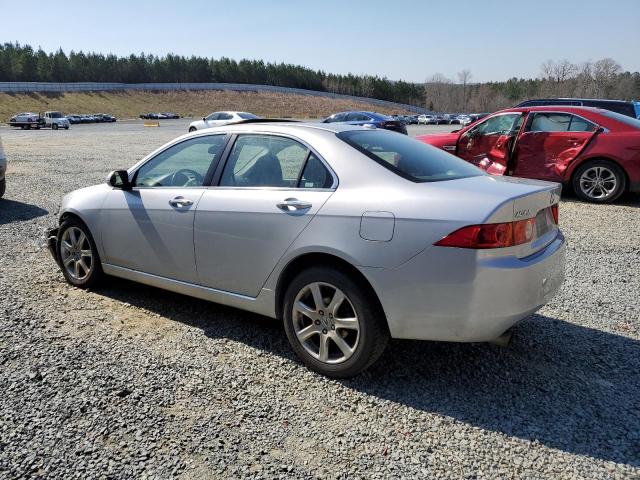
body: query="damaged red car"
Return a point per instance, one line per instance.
(595, 151)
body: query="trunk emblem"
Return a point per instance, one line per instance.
(522, 213)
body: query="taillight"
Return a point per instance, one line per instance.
(556, 213)
(490, 235)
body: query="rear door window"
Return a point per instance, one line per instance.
(264, 161)
(558, 122)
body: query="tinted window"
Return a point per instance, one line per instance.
(182, 165)
(225, 116)
(246, 116)
(213, 116)
(408, 157)
(315, 174)
(550, 122)
(618, 117)
(264, 161)
(579, 124)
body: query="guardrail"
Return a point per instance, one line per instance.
(35, 87)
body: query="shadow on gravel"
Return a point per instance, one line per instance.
(565, 386)
(627, 199)
(12, 211)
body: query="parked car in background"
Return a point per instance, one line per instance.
(279, 219)
(74, 119)
(217, 119)
(3, 170)
(618, 106)
(424, 119)
(453, 119)
(56, 120)
(104, 118)
(595, 151)
(464, 120)
(171, 115)
(368, 118)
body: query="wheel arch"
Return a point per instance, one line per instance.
(314, 259)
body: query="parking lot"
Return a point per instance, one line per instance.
(129, 381)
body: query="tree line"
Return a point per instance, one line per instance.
(601, 79)
(22, 63)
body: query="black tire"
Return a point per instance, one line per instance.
(192, 129)
(3, 186)
(96, 273)
(54, 126)
(66, 128)
(373, 330)
(609, 170)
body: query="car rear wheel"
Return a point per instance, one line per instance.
(192, 129)
(599, 181)
(78, 254)
(54, 126)
(332, 324)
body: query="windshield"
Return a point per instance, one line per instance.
(55, 115)
(618, 117)
(246, 116)
(407, 157)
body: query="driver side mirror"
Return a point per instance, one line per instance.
(204, 119)
(119, 179)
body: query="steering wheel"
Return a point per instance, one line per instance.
(185, 177)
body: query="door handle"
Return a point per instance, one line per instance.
(180, 202)
(292, 204)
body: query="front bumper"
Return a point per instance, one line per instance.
(459, 295)
(52, 243)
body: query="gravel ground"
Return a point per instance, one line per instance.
(129, 381)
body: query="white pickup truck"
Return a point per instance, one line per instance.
(27, 120)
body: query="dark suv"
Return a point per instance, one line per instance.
(618, 106)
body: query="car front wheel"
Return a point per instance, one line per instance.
(599, 181)
(332, 324)
(78, 254)
(192, 129)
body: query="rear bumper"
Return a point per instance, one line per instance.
(52, 243)
(460, 295)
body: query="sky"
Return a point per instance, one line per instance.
(397, 39)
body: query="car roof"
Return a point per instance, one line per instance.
(284, 126)
(556, 108)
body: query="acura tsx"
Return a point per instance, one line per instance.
(350, 235)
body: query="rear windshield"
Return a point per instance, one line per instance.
(407, 157)
(618, 117)
(246, 116)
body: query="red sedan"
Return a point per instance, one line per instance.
(595, 151)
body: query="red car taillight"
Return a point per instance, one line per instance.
(490, 235)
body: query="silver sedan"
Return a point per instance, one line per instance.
(349, 235)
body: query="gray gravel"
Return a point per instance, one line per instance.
(133, 382)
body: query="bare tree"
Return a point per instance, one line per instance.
(464, 76)
(605, 73)
(438, 91)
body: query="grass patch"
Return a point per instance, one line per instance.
(130, 104)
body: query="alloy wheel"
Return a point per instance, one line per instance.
(326, 323)
(598, 182)
(76, 254)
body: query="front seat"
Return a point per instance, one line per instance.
(266, 172)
